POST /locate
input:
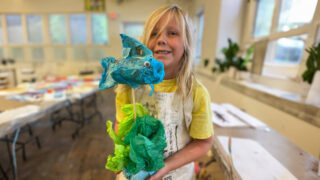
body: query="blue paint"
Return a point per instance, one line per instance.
(136, 67)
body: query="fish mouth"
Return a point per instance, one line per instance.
(162, 52)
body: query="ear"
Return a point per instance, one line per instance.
(133, 48)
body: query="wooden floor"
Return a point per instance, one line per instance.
(84, 158)
(61, 157)
(209, 168)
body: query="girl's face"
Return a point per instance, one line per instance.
(167, 46)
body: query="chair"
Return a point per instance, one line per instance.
(86, 72)
(4, 80)
(57, 117)
(20, 145)
(3, 172)
(79, 112)
(9, 139)
(26, 75)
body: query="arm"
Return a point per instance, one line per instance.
(193, 151)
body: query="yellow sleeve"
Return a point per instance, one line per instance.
(122, 97)
(201, 126)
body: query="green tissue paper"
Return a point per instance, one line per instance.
(139, 144)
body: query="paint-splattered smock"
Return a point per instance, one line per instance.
(182, 122)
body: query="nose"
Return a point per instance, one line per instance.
(162, 39)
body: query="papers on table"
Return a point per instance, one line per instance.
(49, 91)
(11, 91)
(57, 93)
(12, 118)
(227, 115)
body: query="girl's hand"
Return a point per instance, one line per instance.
(159, 174)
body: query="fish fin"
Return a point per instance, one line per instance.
(125, 52)
(133, 48)
(107, 81)
(143, 51)
(106, 61)
(152, 89)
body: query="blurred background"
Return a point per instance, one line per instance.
(260, 56)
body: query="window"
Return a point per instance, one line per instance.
(59, 53)
(263, 18)
(280, 22)
(78, 28)
(1, 33)
(133, 29)
(79, 53)
(34, 28)
(295, 13)
(287, 50)
(16, 53)
(199, 37)
(14, 29)
(318, 35)
(97, 53)
(57, 26)
(284, 56)
(1, 53)
(99, 29)
(68, 36)
(37, 54)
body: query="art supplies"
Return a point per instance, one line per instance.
(140, 141)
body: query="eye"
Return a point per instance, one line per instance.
(146, 64)
(139, 51)
(173, 33)
(153, 34)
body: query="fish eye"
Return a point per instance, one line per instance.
(147, 64)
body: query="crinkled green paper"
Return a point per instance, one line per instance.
(126, 123)
(119, 159)
(147, 142)
(138, 145)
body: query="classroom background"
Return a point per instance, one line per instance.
(259, 60)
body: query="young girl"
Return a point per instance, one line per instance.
(181, 102)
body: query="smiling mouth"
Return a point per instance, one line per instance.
(162, 52)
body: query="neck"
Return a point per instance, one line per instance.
(170, 75)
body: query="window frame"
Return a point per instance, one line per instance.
(124, 23)
(199, 39)
(310, 29)
(46, 44)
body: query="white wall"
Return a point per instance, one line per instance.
(280, 71)
(222, 19)
(128, 10)
(230, 23)
(210, 29)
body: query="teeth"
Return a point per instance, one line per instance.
(162, 52)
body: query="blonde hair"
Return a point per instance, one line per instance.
(185, 74)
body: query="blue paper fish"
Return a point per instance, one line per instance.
(136, 67)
